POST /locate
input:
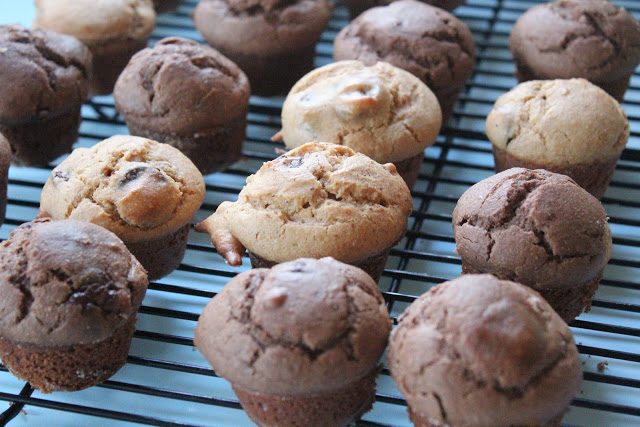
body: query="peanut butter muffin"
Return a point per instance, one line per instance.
(70, 294)
(381, 111)
(428, 42)
(537, 228)
(5, 161)
(273, 41)
(144, 191)
(314, 201)
(592, 39)
(187, 95)
(112, 29)
(570, 127)
(356, 7)
(478, 351)
(45, 77)
(300, 343)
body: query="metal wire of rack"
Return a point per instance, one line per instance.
(166, 382)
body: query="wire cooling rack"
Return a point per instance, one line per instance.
(167, 382)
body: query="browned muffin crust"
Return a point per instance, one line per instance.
(5, 161)
(356, 7)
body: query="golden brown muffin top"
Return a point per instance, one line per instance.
(133, 186)
(381, 111)
(317, 200)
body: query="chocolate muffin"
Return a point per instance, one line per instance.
(538, 228)
(5, 161)
(40, 108)
(356, 7)
(592, 39)
(428, 42)
(478, 351)
(70, 294)
(570, 127)
(273, 41)
(300, 343)
(144, 191)
(381, 111)
(163, 6)
(314, 201)
(112, 29)
(189, 96)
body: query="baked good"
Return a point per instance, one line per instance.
(356, 7)
(428, 42)
(144, 191)
(300, 343)
(537, 228)
(40, 108)
(381, 111)
(478, 351)
(273, 41)
(70, 294)
(5, 161)
(187, 95)
(592, 39)
(314, 201)
(163, 6)
(112, 29)
(570, 127)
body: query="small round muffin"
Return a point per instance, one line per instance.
(478, 351)
(428, 42)
(70, 294)
(315, 201)
(187, 95)
(45, 77)
(5, 161)
(537, 228)
(381, 111)
(112, 29)
(592, 39)
(273, 41)
(300, 343)
(356, 7)
(570, 127)
(144, 191)
(163, 6)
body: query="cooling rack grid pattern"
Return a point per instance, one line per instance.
(166, 382)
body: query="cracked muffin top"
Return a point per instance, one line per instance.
(65, 283)
(381, 111)
(300, 327)
(317, 200)
(48, 74)
(427, 41)
(133, 186)
(534, 227)
(262, 27)
(484, 352)
(558, 122)
(593, 39)
(181, 86)
(97, 22)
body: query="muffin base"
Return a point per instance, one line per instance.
(69, 368)
(593, 177)
(162, 255)
(211, 150)
(5, 161)
(373, 266)
(108, 62)
(568, 302)
(422, 421)
(409, 169)
(162, 6)
(447, 99)
(40, 141)
(331, 408)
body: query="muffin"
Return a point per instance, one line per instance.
(478, 351)
(570, 127)
(381, 111)
(537, 228)
(592, 39)
(314, 201)
(428, 42)
(187, 95)
(144, 191)
(40, 108)
(356, 7)
(300, 343)
(112, 29)
(162, 6)
(273, 41)
(5, 161)
(70, 293)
